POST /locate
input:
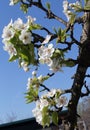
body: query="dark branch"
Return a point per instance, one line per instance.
(50, 75)
(72, 37)
(45, 88)
(45, 29)
(87, 89)
(88, 76)
(68, 91)
(49, 13)
(37, 38)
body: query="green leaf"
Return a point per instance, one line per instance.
(46, 121)
(34, 27)
(57, 95)
(45, 110)
(29, 99)
(12, 58)
(58, 54)
(68, 63)
(48, 5)
(86, 1)
(45, 78)
(55, 30)
(16, 1)
(13, 40)
(31, 95)
(59, 31)
(46, 117)
(72, 19)
(55, 117)
(87, 7)
(35, 81)
(24, 8)
(26, 53)
(61, 35)
(78, 8)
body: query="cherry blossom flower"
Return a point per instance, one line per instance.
(49, 101)
(45, 54)
(30, 20)
(61, 101)
(66, 10)
(12, 2)
(47, 39)
(29, 82)
(8, 33)
(55, 66)
(18, 24)
(52, 92)
(72, 5)
(40, 78)
(25, 37)
(65, 5)
(43, 103)
(25, 66)
(37, 113)
(34, 73)
(10, 49)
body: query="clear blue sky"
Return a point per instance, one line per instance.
(12, 79)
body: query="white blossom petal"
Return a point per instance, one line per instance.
(25, 37)
(47, 39)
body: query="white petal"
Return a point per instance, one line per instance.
(47, 39)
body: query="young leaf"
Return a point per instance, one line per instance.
(31, 95)
(55, 117)
(34, 27)
(87, 7)
(72, 19)
(24, 8)
(46, 118)
(48, 5)
(86, 1)
(68, 63)
(12, 58)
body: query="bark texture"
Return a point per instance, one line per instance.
(84, 63)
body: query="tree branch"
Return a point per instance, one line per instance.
(49, 13)
(72, 37)
(37, 38)
(45, 88)
(88, 75)
(87, 89)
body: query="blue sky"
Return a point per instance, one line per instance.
(12, 79)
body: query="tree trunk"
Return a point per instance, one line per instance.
(84, 63)
(76, 93)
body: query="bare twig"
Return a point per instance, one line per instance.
(49, 13)
(45, 88)
(72, 37)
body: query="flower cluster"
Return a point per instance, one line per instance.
(34, 81)
(16, 35)
(68, 7)
(47, 105)
(45, 53)
(45, 57)
(33, 86)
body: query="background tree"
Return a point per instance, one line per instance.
(11, 117)
(84, 111)
(25, 42)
